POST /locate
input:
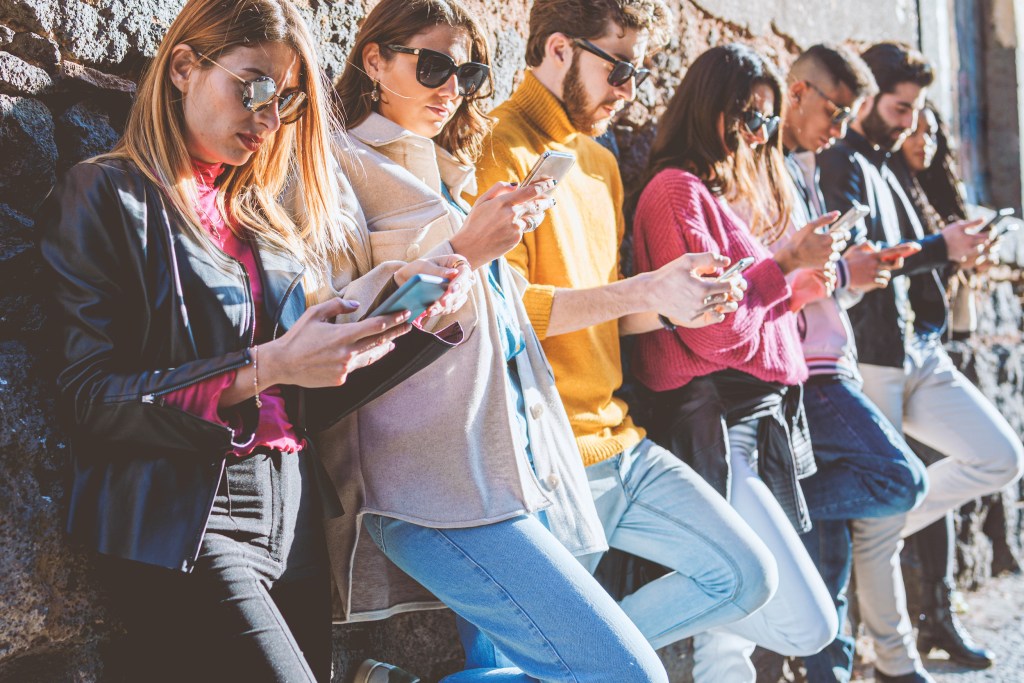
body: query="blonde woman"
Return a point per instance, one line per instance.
(179, 288)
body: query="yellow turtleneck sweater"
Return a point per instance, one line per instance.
(577, 246)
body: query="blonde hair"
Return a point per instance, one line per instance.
(298, 154)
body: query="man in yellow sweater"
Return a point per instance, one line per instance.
(585, 62)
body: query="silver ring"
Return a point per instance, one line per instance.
(532, 223)
(710, 299)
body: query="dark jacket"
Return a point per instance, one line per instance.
(854, 171)
(142, 310)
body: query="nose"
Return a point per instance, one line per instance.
(450, 88)
(626, 91)
(838, 131)
(270, 116)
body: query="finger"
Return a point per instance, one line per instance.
(367, 343)
(705, 263)
(821, 221)
(497, 190)
(528, 192)
(364, 329)
(330, 309)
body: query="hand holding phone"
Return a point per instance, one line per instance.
(551, 165)
(847, 220)
(736, 268)
(995, 220)
(902, 250)
(417, 294)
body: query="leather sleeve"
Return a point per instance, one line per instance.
(95, 241)
(933, 256)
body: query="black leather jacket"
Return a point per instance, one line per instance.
(142, 311)
(854, 171)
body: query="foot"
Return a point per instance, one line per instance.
(940, 628)
(372, 671)
(920, 676)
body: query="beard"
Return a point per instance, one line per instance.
(878, 131)
(582, 116)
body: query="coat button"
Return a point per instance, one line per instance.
(413, 251)
(552, 481)
(536, 410)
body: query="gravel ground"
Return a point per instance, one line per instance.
(996, 619)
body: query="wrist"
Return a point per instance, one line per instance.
(643, 290)
(268, 367)
(786, 261)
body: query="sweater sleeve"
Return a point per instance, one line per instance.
(676, 217)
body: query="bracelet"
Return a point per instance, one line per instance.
(666, 323)
(256, 374)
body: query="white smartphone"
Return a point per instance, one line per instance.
(550, 165)
(737, 267)
(846, 221)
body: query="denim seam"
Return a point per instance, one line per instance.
(508, 598)
(283, 625)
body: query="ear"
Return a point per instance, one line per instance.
(372, 60)
(797, 90)
(559, 48)
(183, 63)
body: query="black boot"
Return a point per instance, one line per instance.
(939, 627)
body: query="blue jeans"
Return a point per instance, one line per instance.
(865, 469)
(525, 593)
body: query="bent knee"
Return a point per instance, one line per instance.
(1005, 464)
(757, 580)
(908, 488)
(813, 637)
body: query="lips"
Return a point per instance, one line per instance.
(439, 111)
(250, 142)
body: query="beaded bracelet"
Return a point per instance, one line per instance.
(256, 374)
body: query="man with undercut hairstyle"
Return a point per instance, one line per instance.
(907, 372)
(586, 61)
(865, 468)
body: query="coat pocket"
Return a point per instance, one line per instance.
(407, 237)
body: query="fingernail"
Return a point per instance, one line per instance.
(351, 302)
(514, 184)
(553, 201)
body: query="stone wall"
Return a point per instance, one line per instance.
(67, 72)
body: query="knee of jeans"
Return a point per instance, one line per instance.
(908, 487)
(814, 635)
(639, 667)
(757, 580)
(1009, 461)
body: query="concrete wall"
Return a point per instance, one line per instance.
(66, 80)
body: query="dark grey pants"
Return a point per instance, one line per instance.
(257, 605)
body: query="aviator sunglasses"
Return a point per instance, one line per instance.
(621, 71)
(840, 115)
(755, 120)
(260, 93)
(433, 69)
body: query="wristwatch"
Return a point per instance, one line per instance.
(666, 323)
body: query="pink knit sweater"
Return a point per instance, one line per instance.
(676, 215)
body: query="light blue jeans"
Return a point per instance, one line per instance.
(525, 593)
(656, 507)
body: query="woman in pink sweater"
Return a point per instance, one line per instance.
(727, 398)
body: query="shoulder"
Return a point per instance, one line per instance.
(678, 187)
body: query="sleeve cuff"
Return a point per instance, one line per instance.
(768, 283)
(538, 300)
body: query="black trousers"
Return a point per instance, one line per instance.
(257, 605)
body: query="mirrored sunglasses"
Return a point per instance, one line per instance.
(433, 69)
(261, 92)
(755, 120)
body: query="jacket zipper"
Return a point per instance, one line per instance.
(284, 300)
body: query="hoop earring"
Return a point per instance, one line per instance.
(375, 91)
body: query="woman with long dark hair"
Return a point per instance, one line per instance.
(181, 308)
(480, 496)
(727, 398)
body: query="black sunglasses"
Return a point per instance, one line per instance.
(840, 115)
(260, 93)
(755, 120)
(433, 69)
(621, 72)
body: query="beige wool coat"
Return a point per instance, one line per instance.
(443, 449)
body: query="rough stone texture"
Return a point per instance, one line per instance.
(66, 70)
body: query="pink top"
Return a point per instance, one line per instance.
(273, 430)
(676, 215)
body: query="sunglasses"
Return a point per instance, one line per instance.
(433, 69)
(621, 72)
(261, 92)
(840, 115)
(755, 120)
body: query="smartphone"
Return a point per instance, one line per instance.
(899, 251)
(995, 220)
(846, 221)
(415, 296)
(737, 267)
(1004, 228)
(550, 165)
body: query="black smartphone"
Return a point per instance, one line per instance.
(417, 294)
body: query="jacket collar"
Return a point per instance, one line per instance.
(878, 157)
(420, 156)
(539, 106)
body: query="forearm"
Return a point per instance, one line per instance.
(576, 309)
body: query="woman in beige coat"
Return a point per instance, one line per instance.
(465, 478)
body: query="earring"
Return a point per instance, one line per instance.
(375, 92)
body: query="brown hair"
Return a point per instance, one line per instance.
(396, 21)
(721, 81)
(154, 137)
(842, 65)
(893, 63)
(589, 19)
(941, 183)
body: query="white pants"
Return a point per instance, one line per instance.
(800, 619)
(939, 407)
